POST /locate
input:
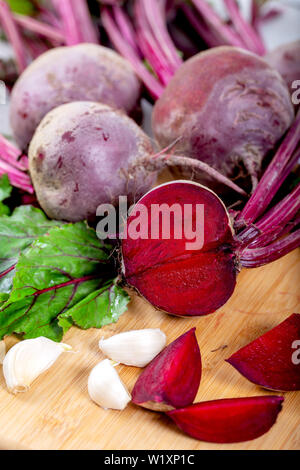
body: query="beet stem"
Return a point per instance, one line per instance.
(249, 35)
(255, 257)
(126, 29)
(13, 35)
(213, 19)
(153, 85)
(272, 178)
(11, 155)
(200, 27)
(40, 28)
(66, 10)
(159, 161)
(86, 26)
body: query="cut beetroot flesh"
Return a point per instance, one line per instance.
(228, 420)
(172, 379)
(272, 360)
(171, 277)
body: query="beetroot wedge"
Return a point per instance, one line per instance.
(175, 273)
(228, 420)
(172, 378)
(272, 360)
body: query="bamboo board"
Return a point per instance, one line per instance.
(58, 414)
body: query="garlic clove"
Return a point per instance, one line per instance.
(25, 361)
(2, 351)
(106, 388)
(134, 348)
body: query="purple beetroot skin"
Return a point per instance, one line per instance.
(84, 154)
(228, 107)
(85, 72)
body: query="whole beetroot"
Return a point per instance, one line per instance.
(85, 72)
(228, 107)
(84, 154)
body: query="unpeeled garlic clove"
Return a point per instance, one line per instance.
(134, 348)
(25, 361)
(106, 388)
(2, 351)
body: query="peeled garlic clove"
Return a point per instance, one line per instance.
(2, 351)
(25, 361)
(106, 388)
(134, 348)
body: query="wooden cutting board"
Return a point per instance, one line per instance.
(58, 414)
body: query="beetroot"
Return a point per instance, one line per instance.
(228, 107)
(80, 157)
(268, 360)
(85, 72)
(228, 420)
(286, 59)
(172, 378)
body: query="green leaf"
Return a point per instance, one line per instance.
(24, 7)
(17, 233)
(60, 269)
(100, 308)
(5, 192)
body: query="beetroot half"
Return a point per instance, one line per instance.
(269, 360)
(172, 379)
(170, 276)
(228, 420)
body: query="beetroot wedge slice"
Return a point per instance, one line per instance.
(271, 360)
(229, 420)
(172, 378)
(175, 273)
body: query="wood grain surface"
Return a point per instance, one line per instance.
(58, 414)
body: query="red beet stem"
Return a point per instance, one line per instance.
(245, 30)
(268, 360)
(13, 35)
(200, 27)
(160, 161)
(255, 257)
(12, 165)
(229, 36)
(153, 85)
(86, 26)
(10, 154)
(267, 238)
(272, 178)
(126, 28)
(228, 420)
(39, 27)
(275, 219)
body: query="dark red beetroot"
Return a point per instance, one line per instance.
(268, 360)
(228, 106)
(172, 379)
(229, 420)
(171, 277)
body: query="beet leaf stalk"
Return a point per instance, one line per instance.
(281, 165)
(14, 165)
(13, 35)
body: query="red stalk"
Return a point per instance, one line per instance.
(268, 360)
(126, 28)
(272, 178)
(245, 30)
(202, 29)
(228, 420)
(71, 28)
(40, 28)
(88, 31)
(13, 35)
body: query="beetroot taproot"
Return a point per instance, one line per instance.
(228, 420)
(269, 360)
(228, 108)
(172, 378)
(85, 72)
(80, 157)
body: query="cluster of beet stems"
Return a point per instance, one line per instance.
(263, 236)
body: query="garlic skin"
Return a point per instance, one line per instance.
(25, 361)
(106, 388)
(134, 348)
(2, 351)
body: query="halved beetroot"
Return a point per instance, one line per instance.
(228, 420)
(170, 275)
(172, 378)
(270, 360)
